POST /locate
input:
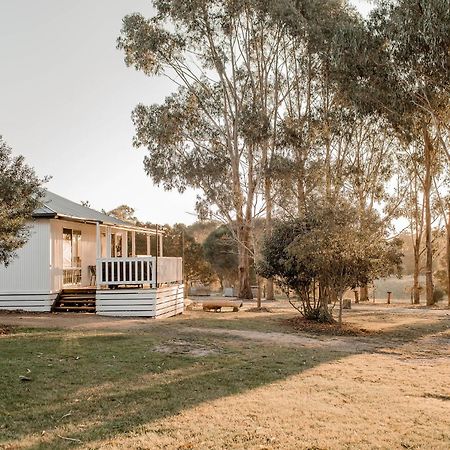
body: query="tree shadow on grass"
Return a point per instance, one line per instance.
(112, 384)
(278, 322)
(415, 330)
(127, 383)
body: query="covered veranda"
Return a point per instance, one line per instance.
(133, 256)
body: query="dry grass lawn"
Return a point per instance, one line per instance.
(244, 380)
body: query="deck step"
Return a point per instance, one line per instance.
(78, 292)
(75, 300)
(70, 302)
(74, 308)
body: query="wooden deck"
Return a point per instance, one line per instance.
(154, 302)
(75, 300)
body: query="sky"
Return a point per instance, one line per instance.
(66, 98)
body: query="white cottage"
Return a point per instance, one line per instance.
(78, 259)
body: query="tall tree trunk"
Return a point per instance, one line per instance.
(327, 165)
(364, 293)
(244, 223)
(268, 195)
(363, 290)
(258, 298)
(325, 295)
(448, 257)
(427, 195)
(416, 290)
(245, 290)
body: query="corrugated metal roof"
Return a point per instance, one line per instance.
(55, 205)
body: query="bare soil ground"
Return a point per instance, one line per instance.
(246, 380)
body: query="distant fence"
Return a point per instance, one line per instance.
(400, 288)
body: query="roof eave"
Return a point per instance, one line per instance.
(109, 224)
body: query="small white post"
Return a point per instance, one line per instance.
(115, 243)
(108, 242)
(125, 244)
(161, 245)
(133, 244)
(98, 243)
(148, 245)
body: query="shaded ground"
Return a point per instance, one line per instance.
(226, 380)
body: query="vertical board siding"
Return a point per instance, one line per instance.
(169, 301)
(29, 272)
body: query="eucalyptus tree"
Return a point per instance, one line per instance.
(124, 212)
(409, 162)
(21, 192)
(364, 167)
(214, 133)
(220, 251)
(310, 129)
(442, 189)
(397, 65)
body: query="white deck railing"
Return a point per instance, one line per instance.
(139, 270)
(169, 269)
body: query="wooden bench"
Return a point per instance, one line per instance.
(217, 305)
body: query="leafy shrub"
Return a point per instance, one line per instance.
(321, 255)
(438, 294)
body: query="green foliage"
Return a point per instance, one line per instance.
(278, 103)
(196, 267)
(442, 279)
(245, 71)
(221, 252)
(123, 212)
(327, 248)
(397, 63)
(438, 294)
(21, 192)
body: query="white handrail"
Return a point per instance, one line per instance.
(138, 270)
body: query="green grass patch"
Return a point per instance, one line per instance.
(95, 385)
(265, 322)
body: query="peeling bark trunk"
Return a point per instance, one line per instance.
(301, 196)
(448, 258)
(268, 195)
(258, 299)
(416, 289)
(427, 195)
(245, 290)
(364, 293)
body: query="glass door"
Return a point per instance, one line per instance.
(71, 257)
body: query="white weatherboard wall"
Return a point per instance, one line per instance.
(169, 301)
(161, 302)
(25, 283)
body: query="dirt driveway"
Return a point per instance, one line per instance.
(372, 316)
